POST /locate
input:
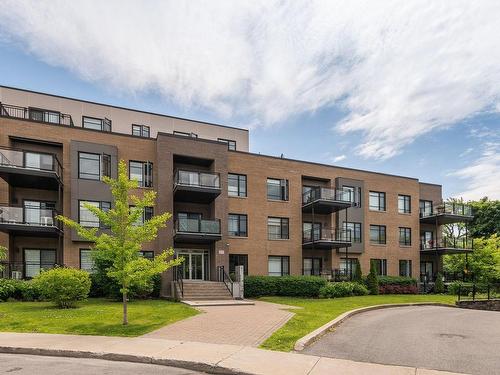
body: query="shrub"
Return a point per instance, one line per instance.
(21, 290)
(6, 289)
(459, 286)
(396, 280)
(293, 286)
(342, 289)
(64, 286)
(372, 280)
(397, 289)
(358, 275)
(439, 285)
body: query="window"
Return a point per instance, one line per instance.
(278, 266)
(147, 214)
(36, 260)
(380, 266)
(184, 134)
(231, 145)
(351, 193)
(140, 130)
(237, 185)
(147, 254)
(377, 201)
(93, 166)
(404, 236)
(425, 208)
(307, 232)
(404, 204)
(43, 115)
(427, 240)
(277, 228)
(355, 229)
(238, 260)
(237, 225)
(277, 189)
(377, 234)
(97, 123)
(142, 171)
(87, 218)
(348, 266)
(311, 266)
(86, 261)
(405, 268)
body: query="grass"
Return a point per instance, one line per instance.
(316, 312)
(93, 317)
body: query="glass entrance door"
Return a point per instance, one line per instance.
(193, 267)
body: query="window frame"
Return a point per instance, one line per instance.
(380, 231)
(146, 173)
(80, 201)
(238, 263)
(282, 263)
(408, 267)
(185, 134)
(284, 188)
(89, 251)
(142, 253)
(239, 178)
(105, 122)
(230, 143)
(381, 268)
(141, 131)
(281, 226)
(239, 232)
(381, 196)
(355, 230)
(406, 199)
(406, 232)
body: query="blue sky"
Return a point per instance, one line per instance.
(332, 103)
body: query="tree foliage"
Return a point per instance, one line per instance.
(3, 256)
(372, 280)
(358, 275)
(122, 243)
(486, 220)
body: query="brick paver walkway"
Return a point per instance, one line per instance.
(236, 325)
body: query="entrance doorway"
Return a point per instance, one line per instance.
(195, 265)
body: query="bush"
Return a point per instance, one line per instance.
(342, 289)
(397, 289)
(372, 280)
(292, 286)
(396, 280)
(64, 286)
(7, 289)
(456, 286)
(439, 285)
(358, 275)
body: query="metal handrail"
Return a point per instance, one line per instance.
(197, 179)
(325, 234)
(25, 113)
(19, 215)
(179, 279)
(448, 242)
(222, 276)
(15, 157)
(450, 208)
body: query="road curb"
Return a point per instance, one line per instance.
(308, 339)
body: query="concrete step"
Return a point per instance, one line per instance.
(205, 291)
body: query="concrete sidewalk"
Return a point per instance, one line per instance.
(213, 358)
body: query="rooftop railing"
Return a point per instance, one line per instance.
(33, 160)
(35, 114)
(321, 193)
(197, 179)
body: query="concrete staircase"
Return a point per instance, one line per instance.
(204, 291)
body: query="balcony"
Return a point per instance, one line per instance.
(326, 239)
(29, 221)
(325, 201)
(447, 245)
(35, 114)
(197, 230)
(446, 213)
(30, 169)
(196, 187)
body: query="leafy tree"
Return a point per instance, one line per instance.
(357, 273)
(439, 285)
(372, 280)
(486, 220)
(483, 262)
(125, 238)
(3, 256)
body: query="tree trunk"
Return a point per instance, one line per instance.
(125, 314)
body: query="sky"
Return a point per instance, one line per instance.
(409, 88)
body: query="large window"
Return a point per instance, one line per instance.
(86, 261)
(277, 228)
(97, 123)
(237, 225)
(311, 266)
(405, 268)
(87, 218)
(140, 130)
(348, 266)
(377, 201)
(36, 260)
(93, 166)
(142, 171)
(238, 260)
(236, 185)
(278, 266)
(231, 145)
(277, 189)
(404, 204)
(404, 236)
(425, 208)
(355, 229)
(380, 266)
(352, 193)
(377, 234)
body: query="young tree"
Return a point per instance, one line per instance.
(358, 276)
(125, 238)
(3, 256)
(372, 280)
(439, 284)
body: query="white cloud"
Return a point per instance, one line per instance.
(336, 159)
(400, 69)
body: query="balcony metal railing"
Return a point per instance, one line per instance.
(29, 216)
(197, 179)
(22, 270)
(448, 208)
(201, 226)
(447, 243)
(35, 114)
(320, 193)
(32, 160)
(333, 235)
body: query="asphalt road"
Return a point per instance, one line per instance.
(16, 364)
(440, 338)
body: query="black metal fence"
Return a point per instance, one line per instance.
(35, 114)
(477, 291)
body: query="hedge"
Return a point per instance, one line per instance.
(396, 280)
(397, 285)
(290, 286)
(21, 290)
(343, 289)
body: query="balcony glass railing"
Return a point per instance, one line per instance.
(29, 160)
(338, 195)
(30, 216)
(201, 226)
(197, 179)
(35, 114)
(333, 235)
(448, 208)
(447, 243)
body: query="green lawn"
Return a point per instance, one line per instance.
(93, 317)
(316, 312)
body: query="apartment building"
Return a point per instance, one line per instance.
(274, 216)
